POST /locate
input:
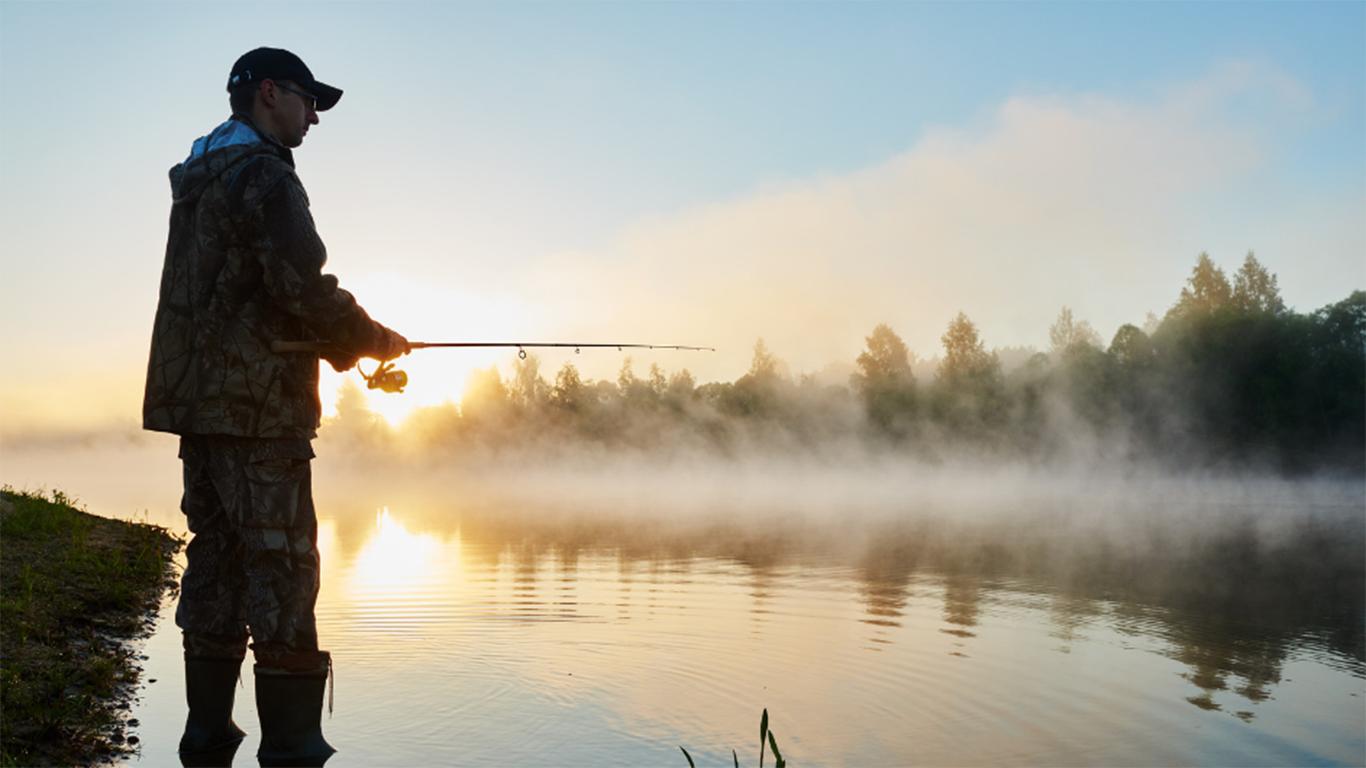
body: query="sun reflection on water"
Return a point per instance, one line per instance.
(394, 559)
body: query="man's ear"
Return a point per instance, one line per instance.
(268, 93)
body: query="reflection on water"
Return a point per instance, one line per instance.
(1069, 614)
(961, 595)
(392, 558)
(472, 631)
(497, 635)
(884, 585)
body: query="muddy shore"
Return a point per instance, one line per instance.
(77, 593)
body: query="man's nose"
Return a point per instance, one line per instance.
(312, 117)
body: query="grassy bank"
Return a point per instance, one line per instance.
(74, 589)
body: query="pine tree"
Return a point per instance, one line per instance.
(1206, 290)
(1255, 289)
(763, 366)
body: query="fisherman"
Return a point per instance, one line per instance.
(243, 268)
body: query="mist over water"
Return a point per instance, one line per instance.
(1090, 526)
(1095, 529)
(606, 605)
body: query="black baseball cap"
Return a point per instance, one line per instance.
(278, 64)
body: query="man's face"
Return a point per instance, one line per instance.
(294, 112)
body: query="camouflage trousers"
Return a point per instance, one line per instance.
(252, 562)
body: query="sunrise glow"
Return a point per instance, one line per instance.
(426, 311)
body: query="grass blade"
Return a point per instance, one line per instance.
(763, 731)
(736, 758)
(777, 756)
(685, 754)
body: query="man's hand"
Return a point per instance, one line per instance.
(390, 346)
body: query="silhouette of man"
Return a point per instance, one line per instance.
(243, 268)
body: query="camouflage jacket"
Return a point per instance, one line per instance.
(243, 268)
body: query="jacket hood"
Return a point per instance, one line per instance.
(221, 151)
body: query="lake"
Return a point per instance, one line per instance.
(882, 615)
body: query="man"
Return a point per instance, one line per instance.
(242, 270)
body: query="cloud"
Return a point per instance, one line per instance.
(1092, 201)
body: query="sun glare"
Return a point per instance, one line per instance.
(393, 558)
(433, 313)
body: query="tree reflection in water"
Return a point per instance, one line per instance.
(962, 592)
(1068, 613)
(1230, 602)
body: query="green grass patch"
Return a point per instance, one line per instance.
(74, 589)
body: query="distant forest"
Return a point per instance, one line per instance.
(1229, 378)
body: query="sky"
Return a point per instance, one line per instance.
(686, 173)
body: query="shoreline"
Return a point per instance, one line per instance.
(77, 592)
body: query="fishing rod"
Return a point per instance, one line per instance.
(388, 379)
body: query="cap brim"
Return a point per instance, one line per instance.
(327, 95)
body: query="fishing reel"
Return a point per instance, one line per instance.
(385, 378)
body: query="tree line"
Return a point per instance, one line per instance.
(1228, 378)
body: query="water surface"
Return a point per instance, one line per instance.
(473, 629)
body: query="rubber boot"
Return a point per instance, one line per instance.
(290, 706)
(210, 687)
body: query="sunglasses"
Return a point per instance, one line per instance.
(310, 100)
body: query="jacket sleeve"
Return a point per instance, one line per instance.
(291, 259)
